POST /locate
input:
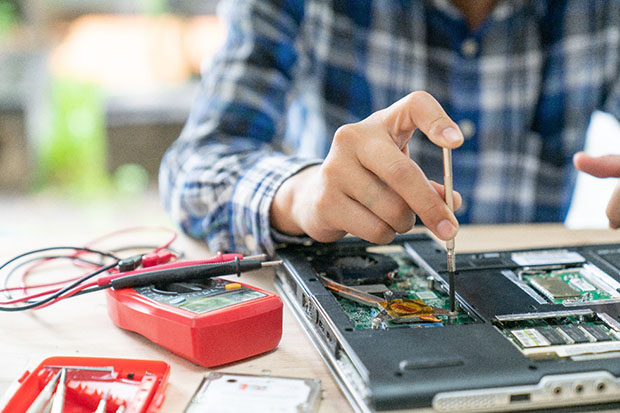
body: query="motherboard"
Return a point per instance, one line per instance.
(531, 329)
(389, 273)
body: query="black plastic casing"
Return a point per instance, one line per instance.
(405, 368)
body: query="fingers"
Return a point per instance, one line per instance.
(380, 199)
(334, 214)
(407, 179)
(357, 220)
(607, 166)
(613, 208)
(420, 110)
(458, 200)
(368, 186)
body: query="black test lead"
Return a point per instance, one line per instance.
(190, 272)
(451, 264)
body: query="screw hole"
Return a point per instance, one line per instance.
(557, 390)
(601, 387)
(578, 388)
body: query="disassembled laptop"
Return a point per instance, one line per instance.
(532, 329)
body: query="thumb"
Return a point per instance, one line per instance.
(607, 166)
(420, 110)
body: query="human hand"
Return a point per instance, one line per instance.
(607, 166)
(367, 185)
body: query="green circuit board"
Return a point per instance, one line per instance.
(409, 281)
(566, 286)
(544, 338)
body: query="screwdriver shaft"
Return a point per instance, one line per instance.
(449, 196)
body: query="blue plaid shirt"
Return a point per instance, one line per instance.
(522, 88)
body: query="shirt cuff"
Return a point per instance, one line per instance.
(251, 203)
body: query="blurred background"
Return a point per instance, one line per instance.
(92, 93)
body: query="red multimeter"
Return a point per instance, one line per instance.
(210, 322)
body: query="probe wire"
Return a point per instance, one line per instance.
(60, 292)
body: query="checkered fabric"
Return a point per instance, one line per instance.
(522, 87)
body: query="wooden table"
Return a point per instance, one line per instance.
(81, 327)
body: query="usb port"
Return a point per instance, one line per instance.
(516, 398)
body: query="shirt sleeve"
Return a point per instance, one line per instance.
(219, 178)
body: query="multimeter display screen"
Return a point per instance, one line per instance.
(204, 304)
(200, 296)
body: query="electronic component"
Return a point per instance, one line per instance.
(378, 289)
(209, 322)
(574, 334)
(530, 337)
(581, 285)
(411, 300)
(426, 295)
(554, 288)
(546, 257)
(356, 267)
(530, 343)
(561, 334)
(596, 331)
(228, 393)
(552, 336)
(396, 310)
(568, 286)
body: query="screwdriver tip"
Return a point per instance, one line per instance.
(259, 257)
(271, 263)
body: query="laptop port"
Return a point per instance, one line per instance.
(600, 386)
(516, 398)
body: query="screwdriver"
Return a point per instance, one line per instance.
(44, 397)
(450, 265)
(103, 403)
(59, 399)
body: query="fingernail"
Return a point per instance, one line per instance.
(446, 229)
(451, 135)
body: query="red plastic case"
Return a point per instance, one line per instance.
(141, 383)
(214, 338)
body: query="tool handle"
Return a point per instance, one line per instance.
(58, 404)
(44, 396)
